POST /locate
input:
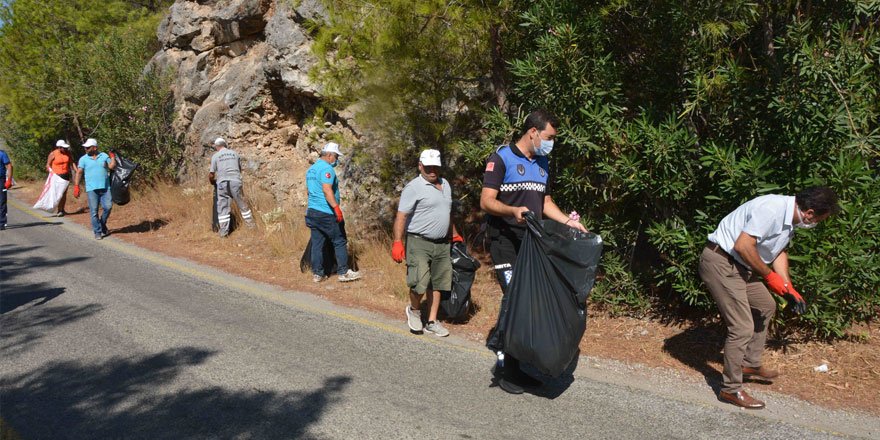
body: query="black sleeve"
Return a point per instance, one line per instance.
(493, 176)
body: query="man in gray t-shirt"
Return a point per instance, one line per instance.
(424, 214)
(225, 175)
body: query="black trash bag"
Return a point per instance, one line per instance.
(546, 313)
(305, 263)
(120, 179)
(330, 266)
(455, 303)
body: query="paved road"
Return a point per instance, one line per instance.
(104, 340)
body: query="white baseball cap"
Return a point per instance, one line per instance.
(61, 143)
(90, 142)
(331, 147)
(220, 141)
(430, 158)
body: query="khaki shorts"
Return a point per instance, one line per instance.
(427, 263)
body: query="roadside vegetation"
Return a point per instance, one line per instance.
(74, 69)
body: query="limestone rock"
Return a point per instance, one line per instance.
(240, 71)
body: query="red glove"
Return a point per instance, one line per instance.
(8, 183)
(112, 155)
(76, 191)
(338, 212)
(775, 283)
(457, 239)
(398, 253)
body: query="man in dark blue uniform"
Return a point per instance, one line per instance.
(517, 180)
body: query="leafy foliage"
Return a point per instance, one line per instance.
(75, 69)
(416, 69)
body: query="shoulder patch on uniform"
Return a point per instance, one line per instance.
(327, 175)
(490, 166)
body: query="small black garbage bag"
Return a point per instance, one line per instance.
(456, 302)
(546, 312)
(330, 266)
(305, 262)
(120, 179)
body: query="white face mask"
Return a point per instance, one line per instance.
(544, 147)
(802, 223)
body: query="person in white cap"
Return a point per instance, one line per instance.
(60, 162)
(424, 213)
(324, 216)
(96, 168)
(225, 174)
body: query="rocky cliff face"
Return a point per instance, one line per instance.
(240, 71)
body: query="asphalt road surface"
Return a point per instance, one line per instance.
(101, 339)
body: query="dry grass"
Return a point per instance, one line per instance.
(176, 220)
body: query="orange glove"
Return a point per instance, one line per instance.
(76, 191)
(8, 183)
(775, 283)
(794, 298)
(398, 253)
(338, 212)
(457, 239)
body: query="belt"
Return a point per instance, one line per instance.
(443, 240)
(715, 247)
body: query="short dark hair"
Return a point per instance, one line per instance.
(539, 119)
(821, 199)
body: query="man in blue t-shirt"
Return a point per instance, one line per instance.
(96, 168)
(324, 216)
(6, 178)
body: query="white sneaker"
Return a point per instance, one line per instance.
(437, 329)
(318, 278)
(349, 276)
(414, 319)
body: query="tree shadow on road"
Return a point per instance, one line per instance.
(14, 295)
(19, 331)
(31, 225)
(12, 267)
(698, 347)
(146, 397)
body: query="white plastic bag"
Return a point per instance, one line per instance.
(52, 192)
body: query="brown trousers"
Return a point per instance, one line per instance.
(747, 308)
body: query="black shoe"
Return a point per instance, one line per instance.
(509, 387)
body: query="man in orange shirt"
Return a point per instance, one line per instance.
(61, 163)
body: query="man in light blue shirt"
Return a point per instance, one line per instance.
(324, 216)
(96, 166)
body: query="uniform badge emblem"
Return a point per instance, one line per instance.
(490, 167)
(521, 170)
(542, 172)
(327, 175)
